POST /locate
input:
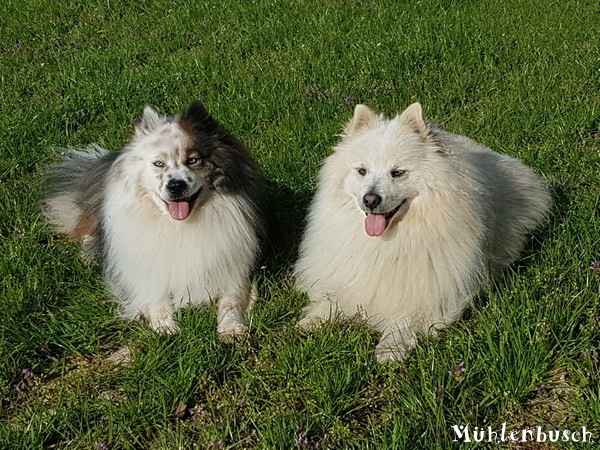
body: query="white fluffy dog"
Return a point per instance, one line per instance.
(408, 223)
(174, 217)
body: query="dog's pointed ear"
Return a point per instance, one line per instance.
(363, 119)
(149, 121)
(413, 117)
(198, 117)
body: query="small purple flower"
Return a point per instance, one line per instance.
(301, 441)
(595, 265)
(18, 389)
(99, 445)
(310, 91)
(590, 355)
(321, 443)
(217, 445)
(458, 370)
(197, 412)
(598, 320)
(27, 373)
(243, 402)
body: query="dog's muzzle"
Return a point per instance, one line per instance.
(176, 187)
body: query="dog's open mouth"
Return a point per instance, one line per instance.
(376, 223)
(180, 209)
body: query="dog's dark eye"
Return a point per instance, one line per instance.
(159, 163)
(191, 161)
(397, 173)
(361, 171)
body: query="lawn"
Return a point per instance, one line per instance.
(522, 77)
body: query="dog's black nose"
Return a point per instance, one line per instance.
(371, 201)
(176, 187)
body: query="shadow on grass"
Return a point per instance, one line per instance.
(286, 219)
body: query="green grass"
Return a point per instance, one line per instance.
(522, 77)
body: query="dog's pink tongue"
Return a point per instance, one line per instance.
(375, 224)
(179, 209)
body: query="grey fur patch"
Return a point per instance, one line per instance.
(75, 193)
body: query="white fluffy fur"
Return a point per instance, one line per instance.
(153, 263)
(466, 216)
(158, 264)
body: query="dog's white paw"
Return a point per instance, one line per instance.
(229, 335)
(310, 323)
(395, 343)
(230, 324)
(317, 314)
(162, 321)
(165, 326)
(385, 354)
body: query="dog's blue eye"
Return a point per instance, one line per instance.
(362, 171)
(159, 163)
(397, 173)
(191, 161)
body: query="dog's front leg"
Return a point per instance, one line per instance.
(396, 341)
(160, 317)
(231, 323)
(319, 312)
(153, 310)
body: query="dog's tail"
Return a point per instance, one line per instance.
(74, 192)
